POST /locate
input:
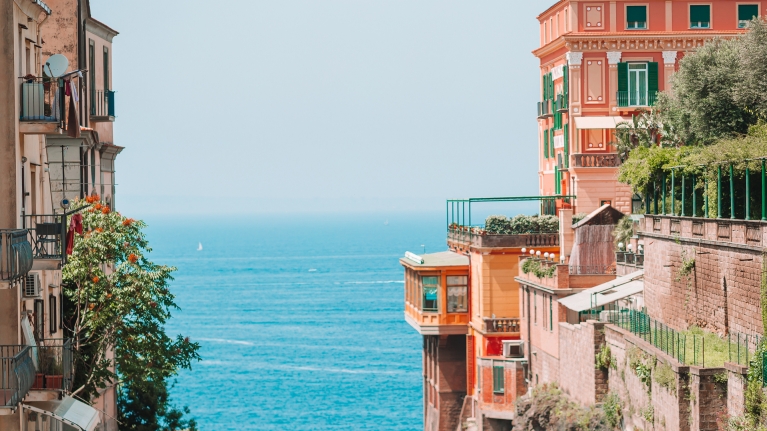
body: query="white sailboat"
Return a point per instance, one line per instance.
(199, 246)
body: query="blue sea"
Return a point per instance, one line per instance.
(299, 318)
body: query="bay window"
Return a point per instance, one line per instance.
(430, 289)
(457, 297)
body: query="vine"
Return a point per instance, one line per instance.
(534, 266)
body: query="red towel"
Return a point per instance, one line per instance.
(75, 225)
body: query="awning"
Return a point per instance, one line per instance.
(69, 411)
(584, 123)
(606, 293)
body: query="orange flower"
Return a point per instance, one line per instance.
(99, 230)
(105, 210)
(128, 221)
(91, 210)
(91, 306)
(95, 279)
(133, 258)
(97, 207)
(109, 295)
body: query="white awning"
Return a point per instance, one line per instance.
(584, 123)
(69, 411)
(606, 293)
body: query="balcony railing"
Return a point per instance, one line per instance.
(54, 370)
(478, 238)
(627, 99)
(47, 234)
(560, 104)
(592, 269)
(629, 258)
(501, 325)
(42, 100)
(544, 109)
(610, 160)
(17, 374)
(15, 254)
(103, 104)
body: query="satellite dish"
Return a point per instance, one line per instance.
(55, 66)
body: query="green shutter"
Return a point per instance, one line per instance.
(556, 179)
(700, 13)
(551, 142)
(566, 82)
(747, 12)
(636, 13)
(567, 145)
(498, 380)
(551, 85)
(545, 87)
(623, 77)
(652, 79)
(546, 144)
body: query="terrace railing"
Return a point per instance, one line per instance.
(501, 324)
(42, 100)
(17, 374)
(609, 160)
(15, 254)
(47, 234)
(544, 109)
(635, 98)
(103, 104)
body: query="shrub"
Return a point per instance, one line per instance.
(547, 407)
(521, 224)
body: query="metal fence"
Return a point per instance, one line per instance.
(42, 100)
(17, 374)
(15, 254)
(47, 235)
(103, 103)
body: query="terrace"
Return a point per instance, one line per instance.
(47, 236)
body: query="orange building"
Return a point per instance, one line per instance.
(601, 61)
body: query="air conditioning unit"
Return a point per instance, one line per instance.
(32, 285)
(514, 348)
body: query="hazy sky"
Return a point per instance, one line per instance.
(322, 105)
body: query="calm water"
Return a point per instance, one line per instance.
(300, 319)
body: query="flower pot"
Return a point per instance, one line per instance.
(39, 382)
(54, 382)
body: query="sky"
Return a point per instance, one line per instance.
(290, 106)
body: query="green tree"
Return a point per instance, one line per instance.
(118, 302)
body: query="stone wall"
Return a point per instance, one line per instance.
(708, 398)
(736, 389)
(722, 292)
(544, 368)
(451, 380)
(579, 377)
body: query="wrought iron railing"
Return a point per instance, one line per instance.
(42, 99)
(55, 365)
(544, 109)
(47, 234)
(103, 104)
(628, 99)
(501, 324)
(17, 374)
(15, 254)
(609, 160)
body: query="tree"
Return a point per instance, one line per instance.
(118, 302)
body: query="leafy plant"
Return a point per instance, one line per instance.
(603, 358)
(534, 266)
(521, 224)
(624, 230)
(665, 376)
(648, 413)
(613, 410)
(578, 217)
(118, 302)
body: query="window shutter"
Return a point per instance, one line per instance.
(551, 86)
(556, 179)
(567, 145)
(545, 87)
(746, 12)
(546, 144)
(636, 13)
(652, 79)
(700, 13)
(623, 77)
(551, 142)
(565, 81)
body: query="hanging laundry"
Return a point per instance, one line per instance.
(73, 120)
(75, 225)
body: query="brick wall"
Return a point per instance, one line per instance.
(579, 377)
(514, 385)
(544, 368)
(708, 399)
(722, 293)
(451, 380)
(736, 389)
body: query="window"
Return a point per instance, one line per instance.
(637, 84)
(92, 74)
(700, 16)
(457, 288)
(636, 17)
(498, 379)
(106, 69)
(747, 12)
(430, 286)
(53, 322)
(551, 314)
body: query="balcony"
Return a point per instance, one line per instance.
(561, 103)
(501, 325)
(477, 237)
(544, 109)
(608, 160)
(635, 99)
(103, 106)
(565, 276)
(745, 232)
(48, 236)
(54, 367)
(17, 374)
(15, 254)
(42, 101)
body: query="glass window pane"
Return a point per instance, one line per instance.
(430, 299)
(457, 280)
(636, 16)
(457, 299)
(700, 15)
(430, 281)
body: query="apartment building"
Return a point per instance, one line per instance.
(56, 145)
